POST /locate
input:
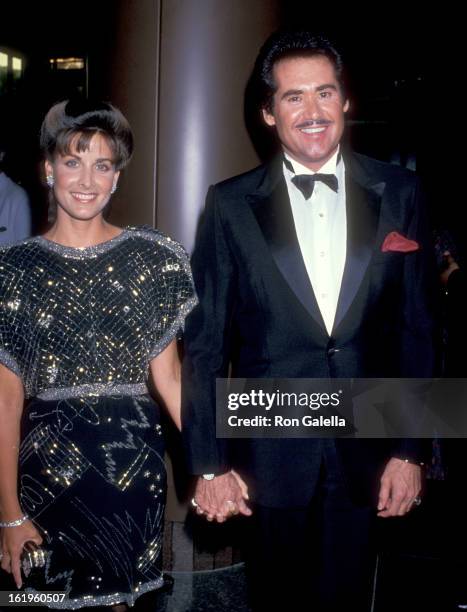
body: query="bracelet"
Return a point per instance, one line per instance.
(16, 523)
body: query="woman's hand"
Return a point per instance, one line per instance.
(12, 543)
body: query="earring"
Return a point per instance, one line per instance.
(50, 180)
(114, 189)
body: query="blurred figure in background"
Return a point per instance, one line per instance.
(15, 212)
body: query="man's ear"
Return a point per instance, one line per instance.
(268, 117)
(346, 105)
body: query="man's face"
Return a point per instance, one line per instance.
(308, 109)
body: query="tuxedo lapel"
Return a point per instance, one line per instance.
(363, 203)
(273, 213)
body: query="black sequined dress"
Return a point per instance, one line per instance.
(79, 327)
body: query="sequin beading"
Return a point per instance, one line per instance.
(96, 390)
(91, 319)
(104, 600)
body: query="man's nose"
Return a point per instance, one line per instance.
(312, 107)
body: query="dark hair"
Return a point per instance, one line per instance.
(286, 44)
(78, 121)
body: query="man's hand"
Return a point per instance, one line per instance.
(401, 484)
(221, 497)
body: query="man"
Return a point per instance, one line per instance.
(15, 214)
(299, 277)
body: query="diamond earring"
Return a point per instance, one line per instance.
(114, 189)
(50, 180)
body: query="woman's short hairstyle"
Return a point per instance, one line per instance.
(77, 121)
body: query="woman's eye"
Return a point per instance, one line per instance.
(103, 167)
(71, 163)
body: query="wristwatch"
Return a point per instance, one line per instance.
(208, 476)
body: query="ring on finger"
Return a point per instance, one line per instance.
(417, 501)
(193, 503)
(233, 506)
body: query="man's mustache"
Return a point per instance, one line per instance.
(313, 123)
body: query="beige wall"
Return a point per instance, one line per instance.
(208, 48)
(178, 70)
(133, 88)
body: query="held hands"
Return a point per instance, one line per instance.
(222, 497)
(12, 543)
(401, 484)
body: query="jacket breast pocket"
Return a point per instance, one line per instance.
(390, 258)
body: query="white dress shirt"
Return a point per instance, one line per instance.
(321, 226)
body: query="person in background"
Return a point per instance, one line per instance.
(88, 312)
(15, 212)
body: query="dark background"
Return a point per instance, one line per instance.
(405, 86)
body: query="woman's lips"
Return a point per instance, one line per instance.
(83, 197)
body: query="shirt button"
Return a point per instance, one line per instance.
(322, 254)
(324, 295)
(321, 215)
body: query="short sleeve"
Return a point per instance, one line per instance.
(9, 311)
(174, 295)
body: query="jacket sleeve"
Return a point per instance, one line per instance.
(418, 324)
(207, 342)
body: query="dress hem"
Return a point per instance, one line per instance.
(92, 601)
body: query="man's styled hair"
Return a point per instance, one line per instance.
(288, 44)
(77, 121)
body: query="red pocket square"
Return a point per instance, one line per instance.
(396, 242)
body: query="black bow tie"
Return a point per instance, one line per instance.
(306, 182)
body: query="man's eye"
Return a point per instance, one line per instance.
(294, 99)
(325, 94)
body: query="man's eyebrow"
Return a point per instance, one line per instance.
(326, 86)
(298, 92)
(291, 92)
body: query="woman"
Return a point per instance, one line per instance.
(86, 311)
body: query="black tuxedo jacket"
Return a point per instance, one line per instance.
(258, 315)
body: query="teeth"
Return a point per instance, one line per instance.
(84, 197)
(313, 130)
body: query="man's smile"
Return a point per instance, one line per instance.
(311, 130)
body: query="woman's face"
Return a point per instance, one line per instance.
(83, 179)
